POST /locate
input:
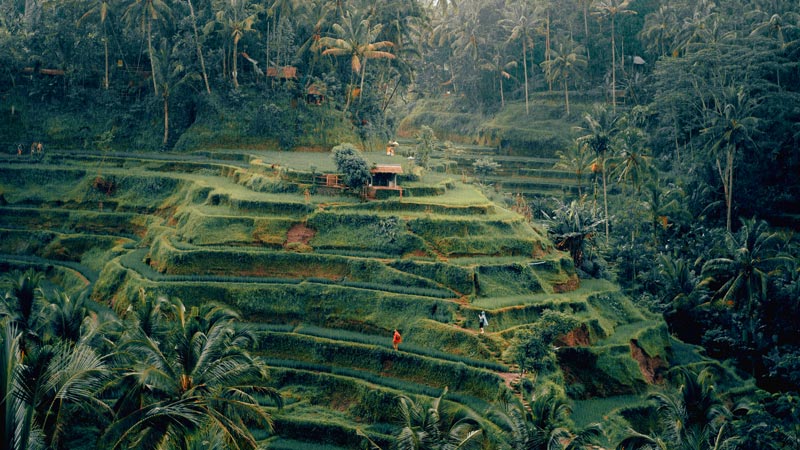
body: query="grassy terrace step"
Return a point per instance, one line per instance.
(378, 341)
(289, 372)
(376, 363)
(135, 261)
(82, 271)
(95, 222)
(91, 249)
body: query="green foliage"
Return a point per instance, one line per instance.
(352, 165)
(427, 143)
(485, 167)
(533, 345)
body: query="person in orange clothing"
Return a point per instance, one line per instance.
(396, 339)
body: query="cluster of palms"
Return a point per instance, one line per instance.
(75, 375)
(201, 45)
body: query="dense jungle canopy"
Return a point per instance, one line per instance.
(678, 123)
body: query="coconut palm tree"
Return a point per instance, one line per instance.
(172, 74)
(692, 417)
(101, 9)
(602, 125)
(739, 279)
(435, 426)
(520, 21)
(500, 66)
(23, 306)
(141, 14)
(729, 129)
(609, 10)
(632, 164)
(577, 160)
(565, 63)
(191, 374)
(42, 389)
(236, 19)
(356, 39)
(658, 29)
(198, 46)
(542, 424)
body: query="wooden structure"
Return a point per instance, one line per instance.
(283, 73)
(384, 177)
(315, 94)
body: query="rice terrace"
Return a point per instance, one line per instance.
(275, 225)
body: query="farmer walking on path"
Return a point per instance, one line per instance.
(396, 339)
(483, 322)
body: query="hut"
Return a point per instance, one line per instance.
(383, 177)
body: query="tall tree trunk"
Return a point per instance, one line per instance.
(566, 94)
(525, 71)
(152, 58)
(547, 47)
(502, 96)
(234, 74)
(361, 86)
(605, 194)
(613, 68)
(166, 118)
(198, 47)
(105, 47)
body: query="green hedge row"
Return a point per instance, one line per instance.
(67, 220)
(381, 362)
(459, 279)
(325, 305)
(280, 208)
(434, 228)
(352, 272)
(382, 341)
(409, 206)
(499, 246)
(507, 280)
(22, 179)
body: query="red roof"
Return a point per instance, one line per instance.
(282, 72)
(387, 168)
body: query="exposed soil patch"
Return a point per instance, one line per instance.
(652, 367)
(578, 336)
(569, 286)
(299, 233)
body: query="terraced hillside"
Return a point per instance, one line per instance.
(325, 277)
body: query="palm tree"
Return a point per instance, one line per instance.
(692, 417)
(198, 46)
(729, 129)
(499, 66)
(171, 75)
(778, 26)
(100, 9)
(520, 20)
(602, 125)
(23, 305)
(740, 278)
(542, 424)
(610, 9)
(657, 30)
(543, 7)
(632, 163)
(563, 65)
(575, 159)
(141, 14)
(433, 426)
(358, 42)
(43, 387)
(237, 19)
(192, 376)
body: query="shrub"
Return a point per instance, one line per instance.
(352, 165)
